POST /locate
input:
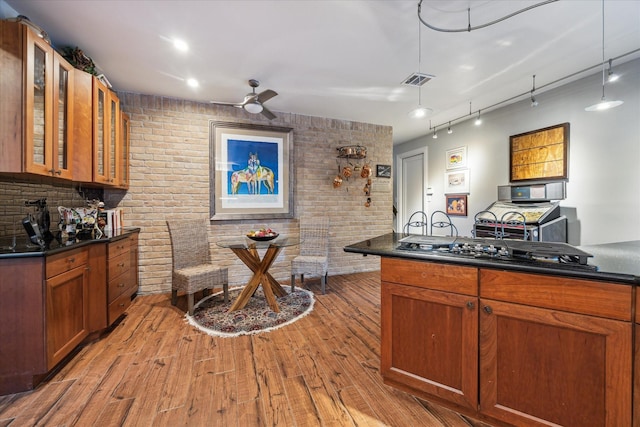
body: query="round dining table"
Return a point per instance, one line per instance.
(247, 250)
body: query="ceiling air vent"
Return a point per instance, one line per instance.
(417, 79)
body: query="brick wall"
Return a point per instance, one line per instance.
(170, 179)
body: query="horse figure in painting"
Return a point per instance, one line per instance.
(253, 175)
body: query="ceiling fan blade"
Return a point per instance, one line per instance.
(267, 113)
(266, 95)
(232, 104)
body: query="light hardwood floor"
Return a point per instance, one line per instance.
(154, 369)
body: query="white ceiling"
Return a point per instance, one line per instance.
(342, 59)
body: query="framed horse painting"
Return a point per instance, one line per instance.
(251, 171)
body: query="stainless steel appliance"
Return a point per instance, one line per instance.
(530, 204)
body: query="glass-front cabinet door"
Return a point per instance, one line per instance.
(39, 75)
(124, 152)
(100, 135)
(62, 118)
(114, 139)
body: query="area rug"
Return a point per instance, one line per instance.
(212, 314)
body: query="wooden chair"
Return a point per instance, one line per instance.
(314, 251)
(192, 269)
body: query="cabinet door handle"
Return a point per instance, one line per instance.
(488, 309)
(71, 260)
(121, 285)
(121, 264)
(471, 305)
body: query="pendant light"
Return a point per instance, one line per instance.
(420, 111)
(603, 104)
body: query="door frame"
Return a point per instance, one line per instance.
(400, 185)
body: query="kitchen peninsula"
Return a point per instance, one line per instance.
(55, 298)
(492, 331)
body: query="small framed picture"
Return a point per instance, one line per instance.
(456, 158)
(457, 204)
(383, 171)
(456, 182)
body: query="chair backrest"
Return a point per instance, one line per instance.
(418, 220)
(440, 219)
(514, 219)
(487, 219)
(189, 242)
(314, 233)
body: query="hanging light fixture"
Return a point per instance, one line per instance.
(420, 111)
(435, 133)
(449, 130)
(611, 76)
(534, 103)
(478, 121)
(603, 104)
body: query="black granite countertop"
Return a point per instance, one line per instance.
(617, 262)
(24, 248)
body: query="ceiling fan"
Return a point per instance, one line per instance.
(253, 102)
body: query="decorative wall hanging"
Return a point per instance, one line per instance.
(456, 181)
(456, 204)
(251, 171)
(456, 158)
(540, 154)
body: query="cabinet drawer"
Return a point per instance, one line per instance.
(117, 307)
(118, 286)
(430, 275)
(65, 261)
(602, 299)
(119, 265)
(118, 248)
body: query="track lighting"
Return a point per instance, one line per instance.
(449, 130)
(534, 103)
(611, 76)
(435, 133)
(478, 121)
(603, 104)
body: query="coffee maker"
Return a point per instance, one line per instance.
(37, 226)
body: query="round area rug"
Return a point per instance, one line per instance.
(212, 315)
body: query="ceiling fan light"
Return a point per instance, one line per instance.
(253, 107)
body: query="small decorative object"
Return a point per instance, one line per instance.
(76, 57)
(262, 235)
(383, 171)
(457, 204)
(337, 181)
(368, 202)
(366, 171)
(347, 172)
(456, 158)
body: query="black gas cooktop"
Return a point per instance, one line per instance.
(515, 251)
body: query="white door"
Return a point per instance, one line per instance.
(412, 177)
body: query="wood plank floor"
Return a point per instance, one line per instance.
(154, 369)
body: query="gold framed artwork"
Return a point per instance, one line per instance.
(540, 154)
(251, 171)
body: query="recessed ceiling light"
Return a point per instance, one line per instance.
(192, 82)
(181, 45)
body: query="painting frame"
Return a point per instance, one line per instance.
(456, 204)
(251, 171)
(456, 181)
(540, 155)
(456, 158)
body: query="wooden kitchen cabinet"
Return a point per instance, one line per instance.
(511, 348)
(124, 144)
(122, 275)
(636, 380)
(66, 303)
(106, 135)
(36, 105)
(429, 337)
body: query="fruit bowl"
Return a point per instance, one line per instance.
(262, 235)
(264, 238)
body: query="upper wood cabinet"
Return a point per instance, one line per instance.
(124, 152)
(36, 108)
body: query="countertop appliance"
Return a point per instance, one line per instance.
(543, 221)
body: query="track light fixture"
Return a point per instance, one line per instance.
(603, 104)
(449, 130)
(478, 121)
(611, 76)
(534, 103)
(435, 133)
(420, 111)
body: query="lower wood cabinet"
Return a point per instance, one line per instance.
(66, 303)
(636, 380)
(517, 349)
(122, 266)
